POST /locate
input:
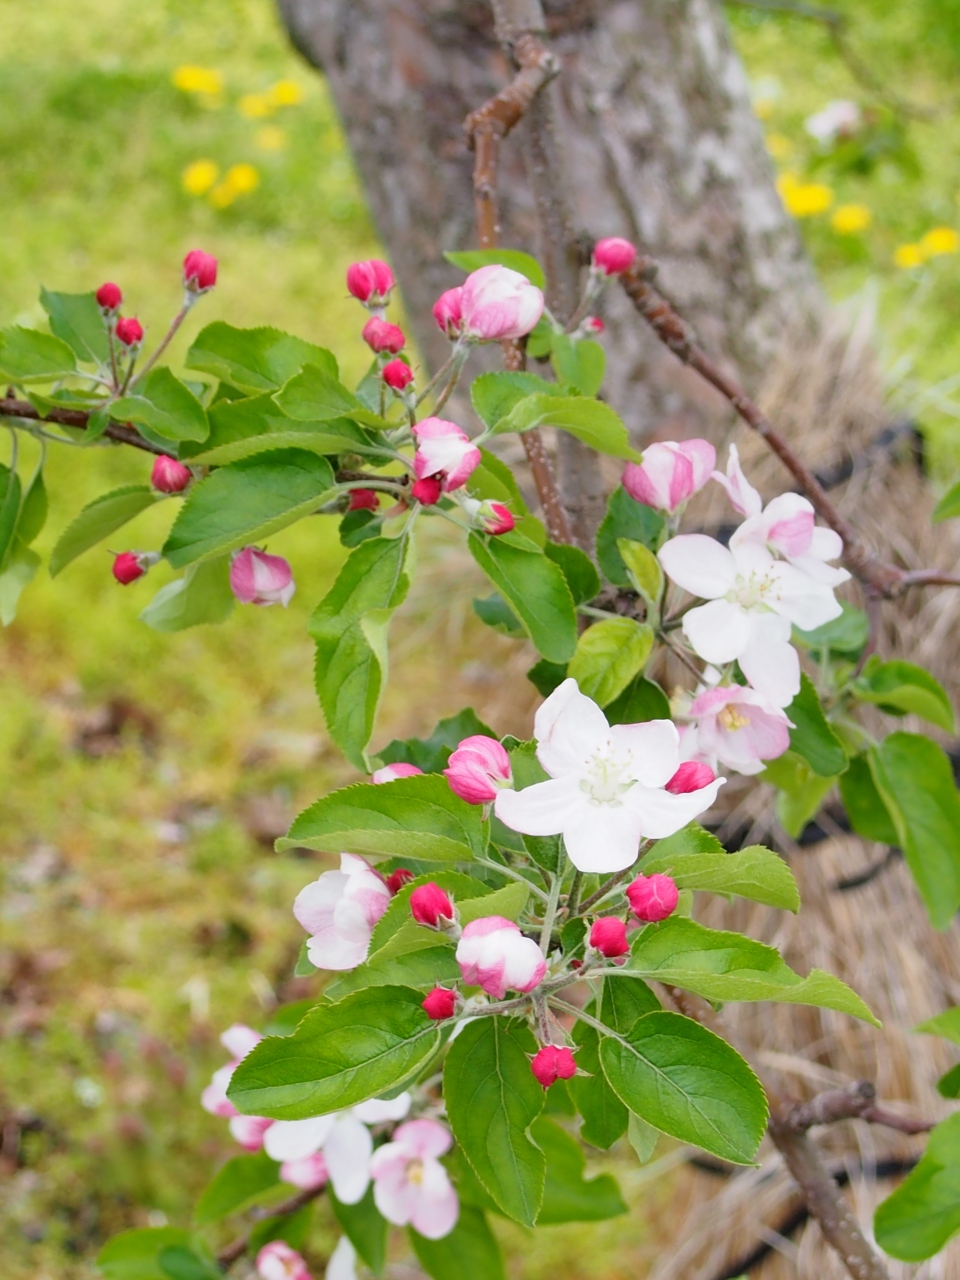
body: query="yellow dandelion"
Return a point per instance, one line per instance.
(907, 256)
(851, 218)
(255, 106)
(222, 195)
(198, 177)
(763, 108)
(201, 80)
(242, 178)
(286, 93)
(779, 146)
(939, 241)
(270, 138)
(805, 199)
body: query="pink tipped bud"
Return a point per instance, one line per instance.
(478, 769)
(498, 303)
(381, 335)
(440, 1004)
(169, 475)
(129, 331)
(609, 936)
(492, 517)
(653, 898)
(448, 312)
(593, 324)
(552, 1063)
(427, 490)
(613, 255)
(397, 879)
(199, 271)
(430, 905)
(109, 297)
(128, 566)
(397, 374)
(370, 282)
(670, 473)
(257, 578)
(691, 776)
(391, 772)
(363, 500)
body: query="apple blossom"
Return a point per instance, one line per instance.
(128, 566)
(670, 473)
(608, 935)
(653, 898)
(248, 1131)
(397, 879)
(607, 787)
(277, 1261)
(258, 578)
(410, 1185)
(381, 335)
(397, 374)
(429, 905)
(339, 910)
(307, 1174)
(239, 1039)
(428, 490)
(440, 1004)
(448, 312)
(444, 452)
(391, 772)
(129, 331)
(691, 776)
(612, 255)
(838, 119)
(363, 500)
(552, 1063)
(370, 282)
(736, 726)
(478, 769)
(492, 953)
(109, 297)
(343, 1262)
(199, 271)
(214, 1097)
(490, 517)
(169, 475)
(497, 303)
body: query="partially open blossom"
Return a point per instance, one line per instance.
(397, 374)
(128, 566)
(448, 312)
(391, 772)
(363, 500)
(552, 1063)
(444, 452)
(397, 879)
(478, 769)
(427, 490)
(277, 1261)
(440, 1004)
(613, 254)
(339, 911)
(109, 297)
(491, 517)
(653, 898)
(429, 905)
(169, 475)
(607, 787)
(691, 776)
(670, 474)
(381, 335)
(608, 935)
(239, 1039)
(370, 282)
(497, 303)
(258, 578)
(199, 271)
(410, 1185)
(736, 726)
(492, 953)
(129, 331)
(307, 1174)
(249, 1131)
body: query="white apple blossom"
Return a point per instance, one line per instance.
(339, 910)
(343, 1262)
(410, 1185)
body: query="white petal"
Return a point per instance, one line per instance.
(603, 838)
(660, 814)
(379, 1109)
(773, 668)
(655, 747)
(540, 810)
(699, 564)
(719, 631)
(330, 950)
(343, 1262)
(297, 1139)
(568, 728)
(800, 598)
(826, 544)
(347, 1152)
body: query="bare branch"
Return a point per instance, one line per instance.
(11, 407)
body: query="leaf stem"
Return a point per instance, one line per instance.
(512, 875)
(552, 903)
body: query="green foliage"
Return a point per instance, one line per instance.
(317, 395)
(604, 1115)
(946, 1024)
(27, 355)
(431, 754)
(75, 319)
(135, 1255)
(755, 873)
(473, 259)
(568, 1196)
(641, 700)
(494, 611)
(577, 567)
(608, 657)
(591, 421)
(643, 570)
(802, 791)
(899, 687)
(811, 737)
(579, 362)
(846, 635)
(948, 508)
(163, 405)
(535, 589)
(470, 1249)
(924, 1212)
(365, 1227)
(100, 518)
(625, 519)
(202, 595)
(865, 806)
(494, 395)
(254, 360)
(243, 428)
(239, 1183)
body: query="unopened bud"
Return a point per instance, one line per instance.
(129, 331)
(609, 936)
(397, 374)
(169, 475)
(397, 879)
(448, 312)
(109, 297)
(613, 255)
(429, 905)
(381, 335)
(440, 1004)
(363, 500)
(128, 566)
(370, 282)
(478, 769)
(691, 776)
(492, 517)
(552, 1063)
(199, 271)
(653, 898)
(258, 578)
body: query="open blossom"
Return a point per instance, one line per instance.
(838, 119)
(391, 772)
(444, 453)
(259, 578)
(492, 953)
(339, 911)
(497, 303)
(308, 1173)
(553, 1063)
(410, 1185)
(607, 787)
(478, 769)
(737, 727)
(248, 1131)
(277, 1261)
(670, 473)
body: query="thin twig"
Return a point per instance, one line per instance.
(228, 1256)
(175, 324)
(11, 407)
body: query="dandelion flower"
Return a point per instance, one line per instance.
(255, 106)
(779, 146)
(198, 177)
(270, 138)
(907, 256)
(286, 93)
(804, 199)
(243, 178)
(222, 195)
(939, 241)
(848, 219)
(202, 80)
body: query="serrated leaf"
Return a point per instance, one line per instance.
(494, 394)
(180, 1262)
(948, 1086)
(27, 355)
(608, 657)
(623, 1004)
(98, 520)
(629, 519)
(924, 1212)
(473, 259)
(239, 1183)
(431, 754)
(546, 676)
(535, 589)
(469, 1250)
(254, 360)
(163, 404)
(202, 595)
(900, 687)
(577, 568)
(811, 737)
(755, 873)
(591, 421)
(75, 318)
(10, 499)
(580, 362)
(317, 395)
(567, 1195)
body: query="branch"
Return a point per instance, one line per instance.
(10, 407)
(236, 1249)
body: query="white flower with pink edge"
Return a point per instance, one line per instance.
(497, 303)
(248, 1131)
(737, 727)
(444, 452)
(277, 1261)
(410, 1185)
(670, 473)
(339, 911)
(493, 954)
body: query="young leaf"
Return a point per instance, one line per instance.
(473, 259)
(846, 635)
(134, 1255)
(254, 359)
(535, 589)
(811, 736)
(802, 791)
(865, 807)
(431, 754)
(591, 421)
(924, 1212)
(579, 362)
(604, 1115)
(494, 612)
(946, 1024)
(26, 354)
(20, 569)
(495, 394)
(948, 506)
(624, 1003)
(629, 519)
(492, 1099)
(641, 700)
(546, 676)
(577, 567)
(689, 839)
(948, 1086)
(567, 1195)
(75, 318)
(755, 873)
(642, 1137)
(608, 657)
(187, 1262)
(339, 1055)
(643, 569)
(33, 510)
(434, 962)
(10, 496)
(243, 428)
(238, 1184)
(470, 1250)
(98, 520)
(317, 395)
(164, 405)
(202, 595)
(365, 1228)
(901, 687)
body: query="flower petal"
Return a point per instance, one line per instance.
(603, 837)
(423, 1138)
(660, 814)
(343, 1262)
(540, 810)
(437, 1208)
(568, 728)
(698, 564)
(719, 631)
(654, 746)
(347, 1152)
(806, 602)
(379, 1109)
(772, 667)
(297, 1139)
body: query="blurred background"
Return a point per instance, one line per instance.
(144, 777)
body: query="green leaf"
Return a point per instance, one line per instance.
(641, 700)
(567, 1195)
(494, 394)
(493, 479)
(473, 259)
(239, 1183)
(350, 626)
(9, 509)
(604, 1115)
(812, 738)
(865, 807)
(416, 817)
(686, 1081)
(98, 520)
(924, 1212)
(365, 1228)
(546, 676)
(492, 1099)
(579, 362)
(642, 1137)
(643, 570)
(629, 519)
(317, 395)
(846, 635)
(689, 839)
(577, 567)
(20, 569)
(422, 969)
(179, 1262)
(33, 510)
(26, 354)
(591, 421)
(247, 502)
(948, 1086)
(164, 405)
(339, 1055)
(901, 687)
(802, 791)
(608, 657)
(243, 428)
(75, 318)
(534, 587)
(723, 966)
(431, 754)
(202, 595)
(285, 1019)
(623, 1004)
(134, 1255)
(915, 779)
(494, 612)
(948, 506)
(254, 359)
(755, 873)
(946, 1024)
(470, 1250)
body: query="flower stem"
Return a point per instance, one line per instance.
(512, 875)
(551, 913)
(175, 324)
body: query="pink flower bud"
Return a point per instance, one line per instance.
(478, 769)
(495, 955)
(609, 936)
(653, 897)
(593, 324)
(428, 490)
(391, 772)
(613, 255)
(199, 271)
(109, 297)
(257, 578)
(492, 517)
(169, 475)
(440, 1004)
(691, 776)
(448, 312)
(498, 303)
(397, 374)
(430, 905)
(308, 1174)
(552, 1063)
(381, 335)
(370, 282)
(129, 331)
(397, 879)
(277, 1261)
(670, 473)
(128, 566)
(363, 500)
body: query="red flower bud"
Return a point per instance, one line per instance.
(397, 879)
(129, 331)
(429, 904)
(109, 297)
(169, 475)
(552, 1063)
(653, 898)
(381, 335)
(370, 282)
(613, 255)
(199, 271)
(593, 324)
(691, 776)
(448, 312)
(397, 374)
(440, 1004)
(363, 500)
(427, 490)
(609, 936)
(128, 566)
